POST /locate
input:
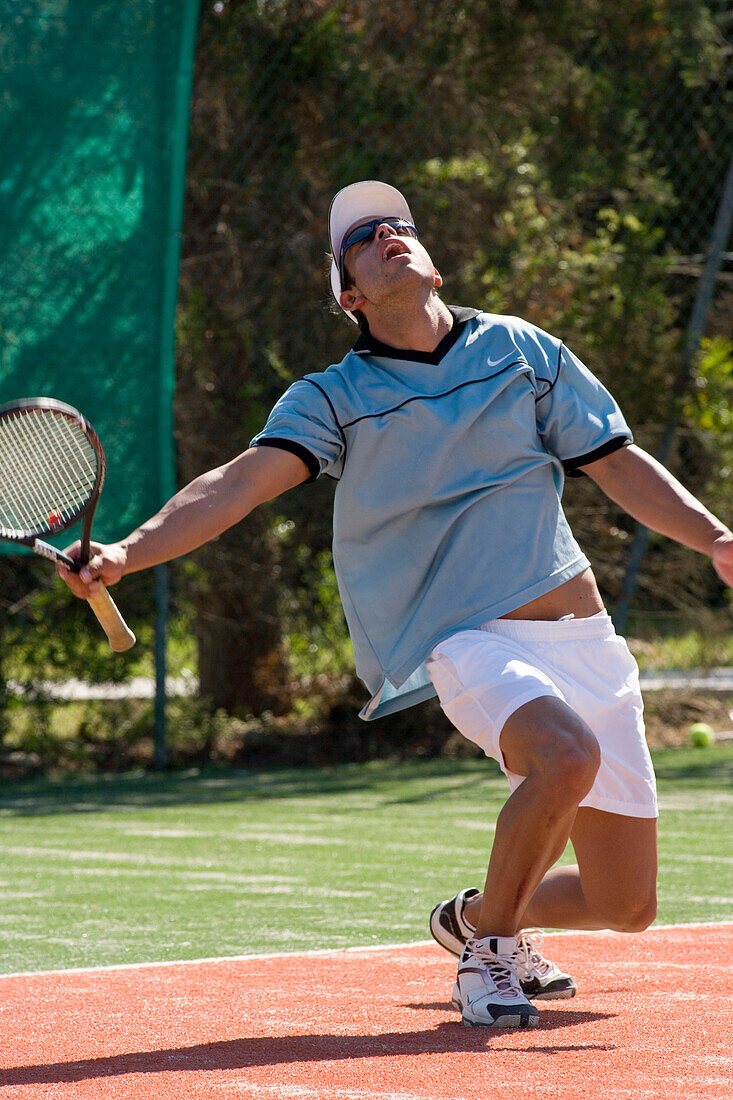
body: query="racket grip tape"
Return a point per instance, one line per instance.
(114, 626)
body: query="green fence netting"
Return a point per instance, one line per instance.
(93, 126)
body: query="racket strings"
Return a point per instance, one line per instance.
(19, 497)
(23, 489)
(48, 470)
(74, 469)
(31, 496)
(42, 493)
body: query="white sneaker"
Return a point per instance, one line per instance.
(487, 992)
(540, 978)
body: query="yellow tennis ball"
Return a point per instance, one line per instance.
(701, 735)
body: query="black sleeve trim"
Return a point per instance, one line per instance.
(572, 466)
(297, 449)
(551, 384)
(329, 402)
(559, 367)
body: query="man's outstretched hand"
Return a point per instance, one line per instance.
(106, 564)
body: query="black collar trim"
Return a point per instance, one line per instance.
(367, 345)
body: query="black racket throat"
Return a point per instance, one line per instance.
(85, 547)
(45, 550)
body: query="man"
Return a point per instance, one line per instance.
(449, 431)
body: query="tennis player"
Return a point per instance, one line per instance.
(450, 432)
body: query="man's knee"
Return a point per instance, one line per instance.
(547, 740)
(630, 914)
(573, 762)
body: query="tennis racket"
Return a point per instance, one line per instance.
(52, 469)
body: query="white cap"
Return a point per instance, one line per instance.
(370, 198)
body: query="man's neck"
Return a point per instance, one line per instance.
(417, 330)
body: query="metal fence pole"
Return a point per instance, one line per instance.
(160, 757)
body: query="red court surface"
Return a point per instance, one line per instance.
(652, 1019)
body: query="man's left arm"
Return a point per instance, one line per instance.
(648, 492)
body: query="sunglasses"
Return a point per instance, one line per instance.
(366, 232)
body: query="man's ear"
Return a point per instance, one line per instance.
(351, 299)
(438, 279)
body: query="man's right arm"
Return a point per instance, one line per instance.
(207, 506)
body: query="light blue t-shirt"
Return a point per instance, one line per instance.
(450, 470)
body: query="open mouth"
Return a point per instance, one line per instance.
(394, 248)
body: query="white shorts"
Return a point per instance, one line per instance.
(482, 676)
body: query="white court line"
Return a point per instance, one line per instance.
(323, 952)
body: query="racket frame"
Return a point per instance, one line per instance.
(119, 634)
(34, 539)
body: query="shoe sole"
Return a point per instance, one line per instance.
(559, 989)
(516, 1019)
(504, 1021)
(552, 994)
(519, 1019)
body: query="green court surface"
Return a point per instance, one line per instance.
(123, 869)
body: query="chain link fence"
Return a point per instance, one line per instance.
(294, 98)
(565, 162)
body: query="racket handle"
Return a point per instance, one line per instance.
(114, 626)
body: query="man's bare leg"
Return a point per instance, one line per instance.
(614, 883)
(546, 741)
(612, 886)
(551, 746)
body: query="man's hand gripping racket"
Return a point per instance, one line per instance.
(52, 469)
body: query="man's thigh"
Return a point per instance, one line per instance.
(617, 860)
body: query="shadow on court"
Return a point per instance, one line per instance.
(284, 1050)
(46, 796)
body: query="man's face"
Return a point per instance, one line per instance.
(389, 257)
